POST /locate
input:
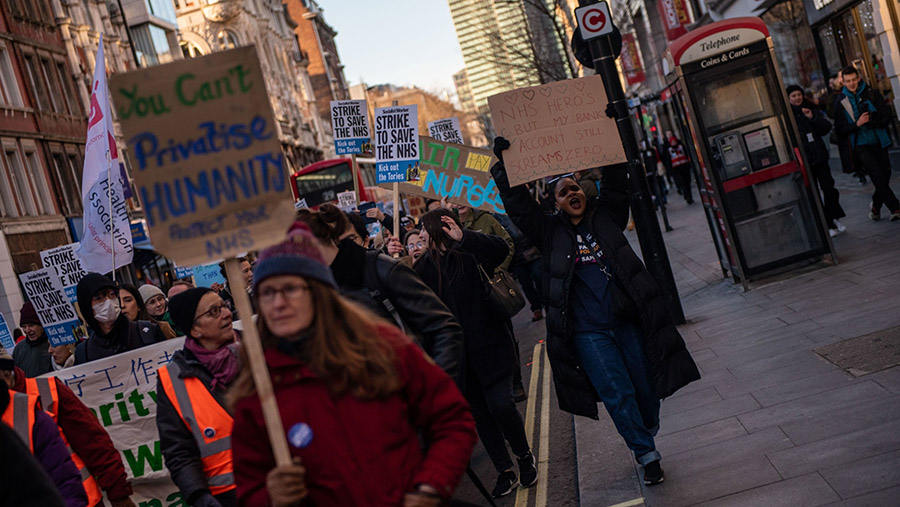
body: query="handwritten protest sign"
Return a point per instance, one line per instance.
(67, 265)
(556, 128)
(209, 169)
(121, 392)
(206, 276)
(6, 339)
(396, 144)
(457, 172)
(446, 130)
(350, 126)
(54, 310)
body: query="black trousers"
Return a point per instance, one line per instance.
(496, 419)
(831, 204)
(683, 180)
(875, 162)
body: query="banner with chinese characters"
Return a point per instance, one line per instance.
(121, 391)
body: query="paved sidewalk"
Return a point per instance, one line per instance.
(772, 422)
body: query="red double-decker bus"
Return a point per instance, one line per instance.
(321, 182)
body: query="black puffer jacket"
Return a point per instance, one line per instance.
(378, 282)
(176, 440)
(488, 342)
(606, 216)
(811, 132)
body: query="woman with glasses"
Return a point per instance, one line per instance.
(193, 421)
(387, 287)
(355, 396)
(110, 331)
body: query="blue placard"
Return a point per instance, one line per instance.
(6, 338)
(62, 332)
(350, 146)
(181, 272)
(138, 232)
(206, 276)
(395, 170)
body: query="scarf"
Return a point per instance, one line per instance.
(222, 363)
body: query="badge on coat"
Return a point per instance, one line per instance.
(300, 435)
(209, 432)
(809, 137)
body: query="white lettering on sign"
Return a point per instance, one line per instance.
(720, 43)
(731, 55)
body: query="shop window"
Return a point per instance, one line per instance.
(795, 48)
(9, 89)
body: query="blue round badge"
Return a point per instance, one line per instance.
(300, 435)
(209, 432)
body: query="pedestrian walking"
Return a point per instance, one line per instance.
(609, 333)
(32, 354)
(863, 116)
(386, 287)
(354, 394)
(133, 308)
(455, 266)
(836, 85)
(192, 417)
(813, 126)
(681, 168)
(110, 332)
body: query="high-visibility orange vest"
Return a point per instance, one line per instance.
(19, 415)
(45, 389)
(208, 421)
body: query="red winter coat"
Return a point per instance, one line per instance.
(362, 453)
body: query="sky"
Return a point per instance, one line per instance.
(402, 42)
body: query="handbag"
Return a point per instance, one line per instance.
(503, 294)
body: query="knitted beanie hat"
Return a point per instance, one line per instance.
(28, 315)
(794, 88)
(298, 255)
(148, 291)
(183, 307)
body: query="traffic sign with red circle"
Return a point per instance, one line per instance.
(594, 20)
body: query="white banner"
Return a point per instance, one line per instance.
(121, 391)
(106, 227)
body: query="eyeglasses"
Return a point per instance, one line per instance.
(290, 292)
(213, 312)
(413, 246)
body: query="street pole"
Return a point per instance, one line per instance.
(645, 222)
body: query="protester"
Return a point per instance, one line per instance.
(226, 292)
(355, 397)
(40, 435)
(133, 308)
(526, 266)
(23, 482)
(191, 415)
(18, 335)
(452, 267)
(863, 116)
(589, 181)
(632, 357)
(681, 168)
(110, 332)
(157, 306)
(63, 356)
(387, 288)
(178, 286)
(32, 355)
(414, 244)
(93, 453)
(813, 125)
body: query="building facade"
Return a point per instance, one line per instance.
(464, 92)
(207, 26)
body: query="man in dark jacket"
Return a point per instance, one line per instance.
(597, 353)
(32, 354)
(863, 116)
(111, 332)
(813, 125)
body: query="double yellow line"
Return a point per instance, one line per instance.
(539, 362)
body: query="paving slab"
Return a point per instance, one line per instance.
(805, 491)
(880, 498)
(854, 479)
(700, 436)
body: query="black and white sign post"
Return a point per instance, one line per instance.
(596, 27)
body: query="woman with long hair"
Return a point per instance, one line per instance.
(134, 308)
(354, 394)
(455, 266)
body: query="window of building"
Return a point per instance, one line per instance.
(152, 44)
(9, 89)
(53, 86)
(162, 9)
(7, 196)
(66, 183)
(21, 183)
(191, 50)
(42, 101)
(227, 40)
(795, 48)
(36, 170)
(68, 87)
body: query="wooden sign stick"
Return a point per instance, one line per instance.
(258, 368)
(354, 170)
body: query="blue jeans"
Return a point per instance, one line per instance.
(615, 362)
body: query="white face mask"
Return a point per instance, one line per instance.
(108, 311)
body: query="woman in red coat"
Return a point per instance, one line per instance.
(354, 393)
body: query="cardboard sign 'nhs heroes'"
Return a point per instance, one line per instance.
(208, 167)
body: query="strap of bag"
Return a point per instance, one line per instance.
(375, 285)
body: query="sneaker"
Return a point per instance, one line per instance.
(527, 470)
(840, 227)
(873, 214)
(895, 216)
(537, 315)
(505, 484)
(833, 232)
(519, 393)
(653, 473)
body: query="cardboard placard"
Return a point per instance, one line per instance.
(556, 128)
(446, 130)
(54, 310)
(350, 126)
(396, 144)
(208, 167)
(457, 172)
(67, 265)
